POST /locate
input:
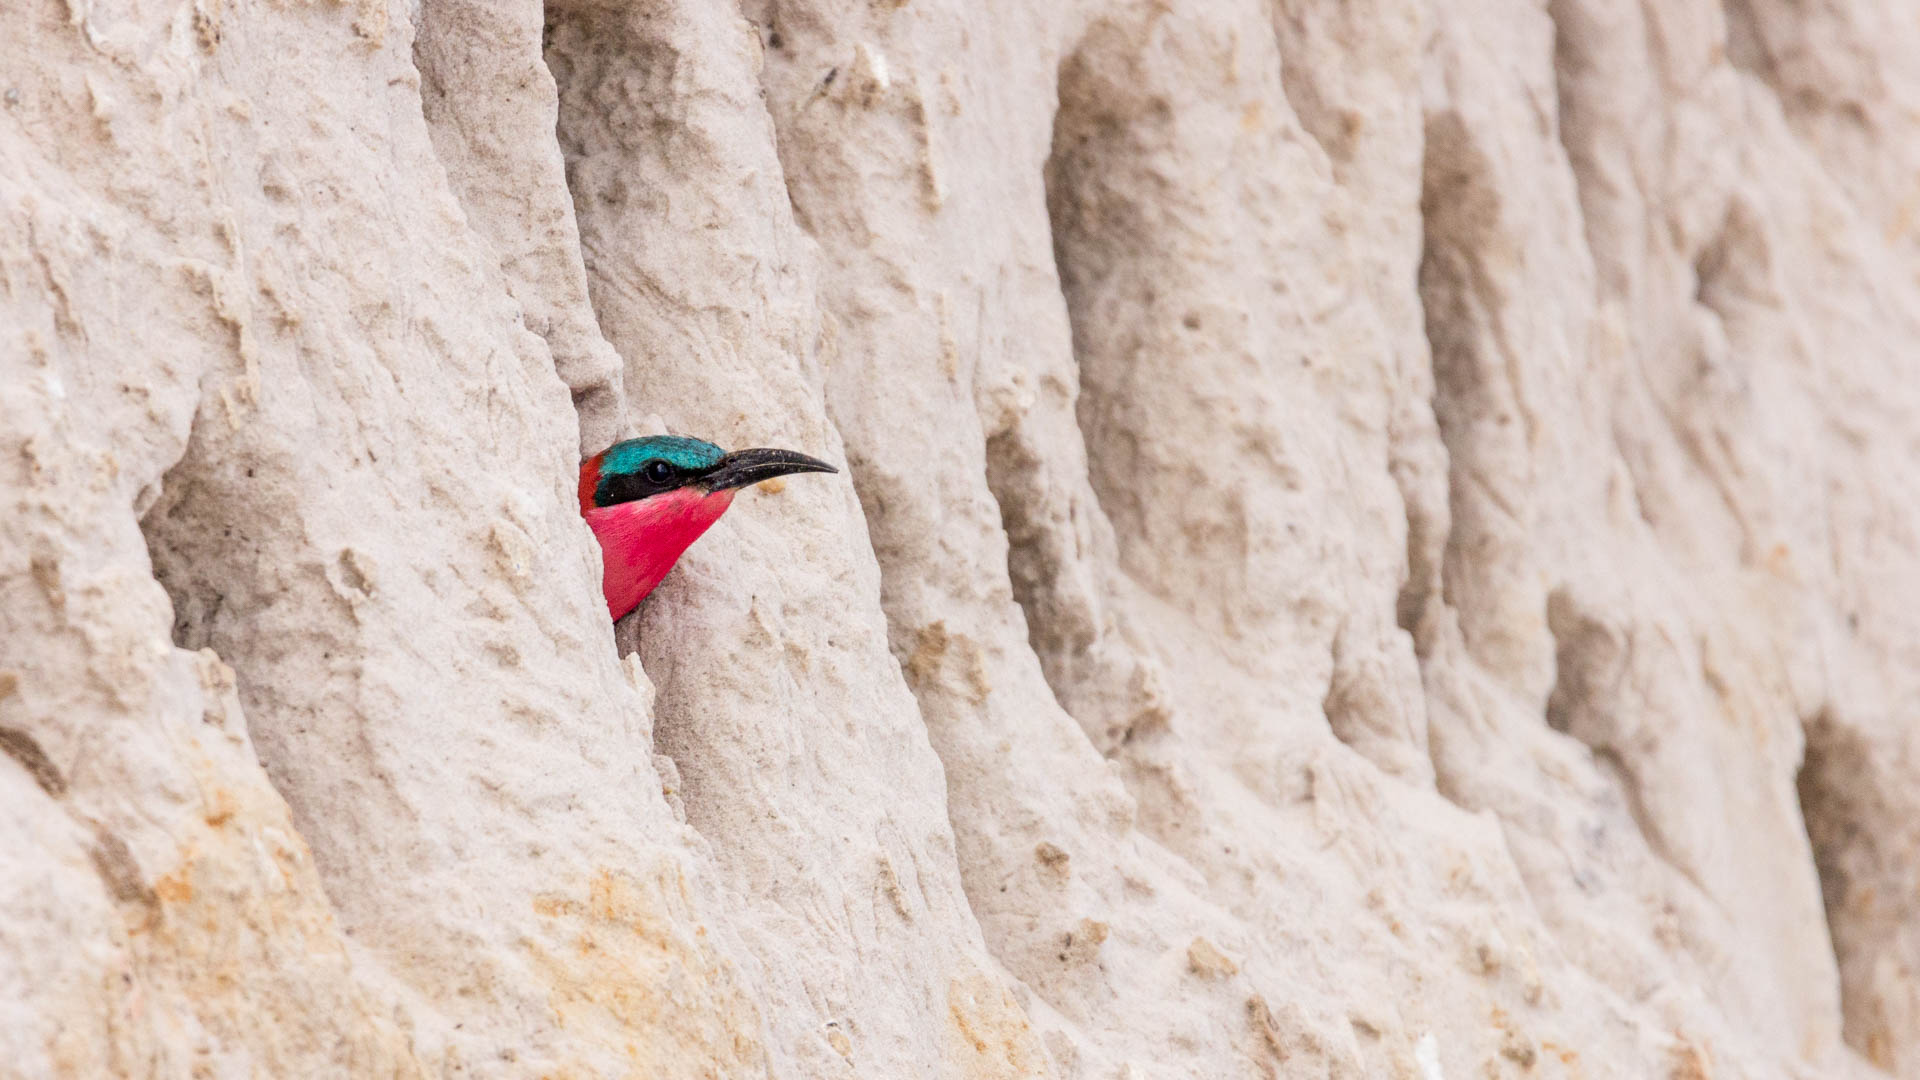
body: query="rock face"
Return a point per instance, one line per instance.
(1379, 539)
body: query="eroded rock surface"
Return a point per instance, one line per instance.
(1378, 539)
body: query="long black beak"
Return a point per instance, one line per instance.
(743, 467)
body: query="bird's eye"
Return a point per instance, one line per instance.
(657, 471)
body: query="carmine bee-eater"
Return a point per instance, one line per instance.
(647, 499)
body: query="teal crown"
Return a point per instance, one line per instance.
(691, 455)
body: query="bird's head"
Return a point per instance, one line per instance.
(656, 465)
(648, 498)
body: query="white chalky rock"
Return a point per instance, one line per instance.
(1377, 539)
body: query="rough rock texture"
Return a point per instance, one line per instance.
(1379, 539)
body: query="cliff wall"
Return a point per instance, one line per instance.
(1378, 539)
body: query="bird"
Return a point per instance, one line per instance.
(648, 499)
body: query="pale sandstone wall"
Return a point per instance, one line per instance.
(1379, 539)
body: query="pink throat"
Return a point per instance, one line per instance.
(641, 540)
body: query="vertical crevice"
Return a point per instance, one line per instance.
(613, 73)
(1102, 132)
(1595, 685)
(1864, 826)
(1746, 47)
(1489, 430)
(1062, 559)
(495, 139)
(1107, 686)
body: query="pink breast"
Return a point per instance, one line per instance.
(641, 540)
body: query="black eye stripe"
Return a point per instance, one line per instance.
(654, 476)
